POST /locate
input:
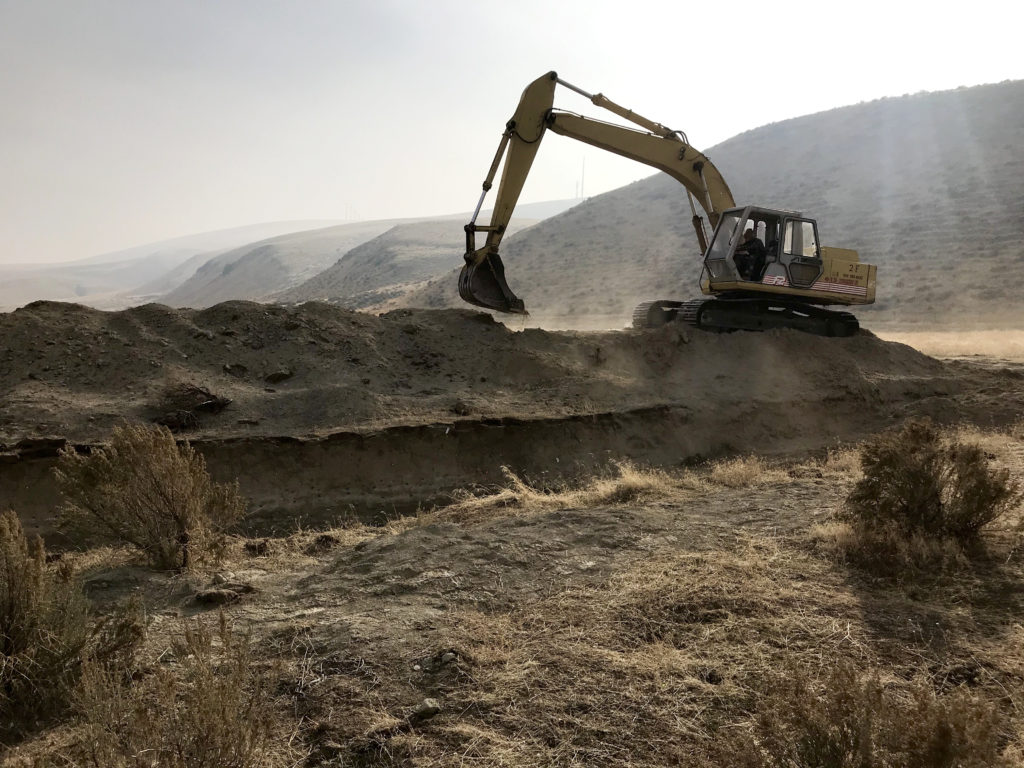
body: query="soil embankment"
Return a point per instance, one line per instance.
(335, 413)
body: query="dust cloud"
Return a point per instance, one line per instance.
(1001, 344)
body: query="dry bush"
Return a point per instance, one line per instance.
(145, 490)
(850, 720)
(46, 632)
(918, 481)
(201, 708)
(44, 627)
(183, 404)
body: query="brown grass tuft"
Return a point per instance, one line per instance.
(626, 483)
(145, 490)
(842, 461)
(887, 550)
(745, 472)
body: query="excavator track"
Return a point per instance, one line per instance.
(746, 314)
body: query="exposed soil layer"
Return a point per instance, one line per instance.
(335, 413)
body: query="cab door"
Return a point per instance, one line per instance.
(801, 251)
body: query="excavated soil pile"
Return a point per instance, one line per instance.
(334, 412)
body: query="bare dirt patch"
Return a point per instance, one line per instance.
(324, 414)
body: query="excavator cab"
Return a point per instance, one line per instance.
(787, 251)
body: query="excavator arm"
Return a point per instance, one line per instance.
(482, 280)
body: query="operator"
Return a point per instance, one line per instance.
(750, 256)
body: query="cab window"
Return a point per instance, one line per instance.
(727, 235)
(800, 239)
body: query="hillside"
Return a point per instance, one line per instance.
(388, 265)
(929, 187)
(257, 270)
(113, 280)
(260, 271)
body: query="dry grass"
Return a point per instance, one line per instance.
(676, 660)
(145, 490)
(849, 719)
(652, 667)
(668, 654)
(44, 628)
(300, 549)
(844, 461)
(626, 483)
(201, 707)
(887, 550)
(745, 472)
(755, 655)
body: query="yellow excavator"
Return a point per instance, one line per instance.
(764, 268)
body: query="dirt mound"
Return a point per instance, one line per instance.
(333, 411)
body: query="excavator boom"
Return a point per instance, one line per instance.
(482, 280)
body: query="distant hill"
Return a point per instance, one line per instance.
(388, 265)
(257, 270)
(262, 271)
(929, 187)
(102, 280)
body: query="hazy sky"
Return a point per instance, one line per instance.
(129, 121)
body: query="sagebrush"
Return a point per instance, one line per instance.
(921, 482)
(201, 707)
(145, 490)
(851, 720)
(44, 627)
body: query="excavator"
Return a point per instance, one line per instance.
(787, 285)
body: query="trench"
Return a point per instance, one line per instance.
(372, 476)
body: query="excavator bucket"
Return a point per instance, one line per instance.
(483, 284)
